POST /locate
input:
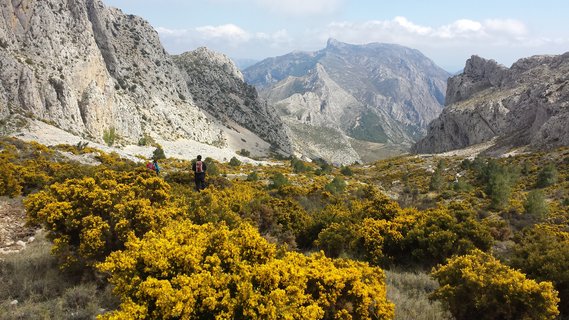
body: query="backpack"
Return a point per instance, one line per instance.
(199, 166)
(150, 166)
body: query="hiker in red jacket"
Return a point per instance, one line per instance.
(199, 169)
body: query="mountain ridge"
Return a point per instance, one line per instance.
(378, 93)
(91, 69)
(525, 105)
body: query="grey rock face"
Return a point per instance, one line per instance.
(217, 87)
(377, 92)
(526, 104)
(87, 68)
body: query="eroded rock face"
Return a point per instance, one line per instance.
(378, 93)
(217, 86)
(526, 104)
(87, 68)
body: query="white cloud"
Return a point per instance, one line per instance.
(226, 31)
(411, 27)
(229, 39)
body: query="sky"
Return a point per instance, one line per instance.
(448, 32)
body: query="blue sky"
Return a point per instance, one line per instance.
(448, 32)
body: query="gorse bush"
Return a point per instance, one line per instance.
(196, 272)
(89, 218)
(174, 253)
(477, 286)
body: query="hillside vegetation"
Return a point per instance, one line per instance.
(293, 240)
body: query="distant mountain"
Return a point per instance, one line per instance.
(243, 64)
(525, 105)
(89, 69)
(345, 99)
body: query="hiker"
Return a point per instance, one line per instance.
(199, 169)
(156, 167)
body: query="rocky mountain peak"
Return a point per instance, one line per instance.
(525, 105)
(217, 87)
(478, 74)
(375, 93)
(217, 59)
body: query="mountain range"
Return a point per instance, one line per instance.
(345, 100)
(92, 70)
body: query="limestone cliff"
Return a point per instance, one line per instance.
(527, 104)
(217, 86)
(89, 69)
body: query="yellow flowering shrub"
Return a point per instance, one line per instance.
(209, 271)
(90, 217)
(440, 233)
(478, 286)
(10, 180)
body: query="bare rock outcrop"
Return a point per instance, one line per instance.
(89, 69)
(525, 105)
(217, 86)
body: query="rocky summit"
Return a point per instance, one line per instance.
(217, 86)
(90, 70)
(345, 100)
(524, 105)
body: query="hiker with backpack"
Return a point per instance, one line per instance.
(156, 167)
(199, 167)
(153, 166)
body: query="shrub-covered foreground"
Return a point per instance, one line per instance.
(204, 272)
(244, 248)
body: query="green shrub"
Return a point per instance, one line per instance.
(437, 181)
(110, 136)
(547, 176)
(253, 176)
(158, 153)
(298, 166)
(146, 140)
(244, 153)
(535, 205)
(542, 252)
(336, 186)
(347, 171)
(234, 162)
(212, 167)
(278, 180)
